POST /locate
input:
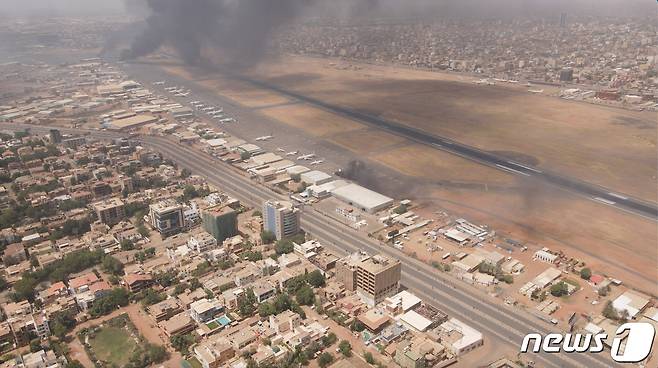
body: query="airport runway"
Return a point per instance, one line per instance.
(590, 191)
(500, 323)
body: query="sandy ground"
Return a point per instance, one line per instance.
(607, 146)
(612, 242)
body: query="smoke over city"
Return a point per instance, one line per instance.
(240, 29)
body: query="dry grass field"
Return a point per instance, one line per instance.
(613, 147)
(607, 146)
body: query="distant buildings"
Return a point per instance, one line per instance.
(281, 218)
(220, 221)
(167, 217)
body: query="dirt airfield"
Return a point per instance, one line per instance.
(603, 145)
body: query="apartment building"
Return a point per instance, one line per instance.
(377, 278)
(167, 217)
(281, 218)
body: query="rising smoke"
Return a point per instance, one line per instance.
(240, 29)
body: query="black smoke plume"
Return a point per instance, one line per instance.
(239, 29)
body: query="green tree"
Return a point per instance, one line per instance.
(368, 357)
(185, 173)
(246, 303)
(150, 297)
(284, 246)
(267, 237)
(329, 339)
(266, 309)
(112, 265)
(325, 359)
(345, 348)
(559, 289)
(585, 273)
(316, 278)
(182, 343)
(305, 295)
(127, 244)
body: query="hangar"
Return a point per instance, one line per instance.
(362, 198)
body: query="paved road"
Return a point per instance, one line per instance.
(500, 323)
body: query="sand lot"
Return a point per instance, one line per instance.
(609, 146)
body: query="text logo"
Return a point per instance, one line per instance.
(636, 338)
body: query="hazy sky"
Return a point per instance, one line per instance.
(446, 7)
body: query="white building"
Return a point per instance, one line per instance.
(362, 198)
(544, 256)
(202, 242)
(463, 337)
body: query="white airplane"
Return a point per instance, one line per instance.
(264, 138)
(306, 157)
(318, 162)
(160, 83)
(280, 150)
(227, 120)
(195, 102)
(292, 153)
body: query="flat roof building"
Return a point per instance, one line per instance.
(110, 212)
(132, 122)
(362, 198)
(167, 217)
(378, 277)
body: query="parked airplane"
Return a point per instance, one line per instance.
(292, 153)
(318, 162)
(227, 120)
(160, 83)
(306, 157)
(280, 150)
(264, 138)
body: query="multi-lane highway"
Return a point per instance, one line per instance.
(500, 324)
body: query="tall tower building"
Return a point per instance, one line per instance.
(220, 221)
(281, 218)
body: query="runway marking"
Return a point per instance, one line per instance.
(605, 201)
(618, 196)
(526, 167)
(512, 170)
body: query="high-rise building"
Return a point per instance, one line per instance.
(281, 218)
(167, 217)
(346, 269)
(377, 278)
(563, 20)
(566, 75)
(220, 221)
(110, 212)
(55, 136)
